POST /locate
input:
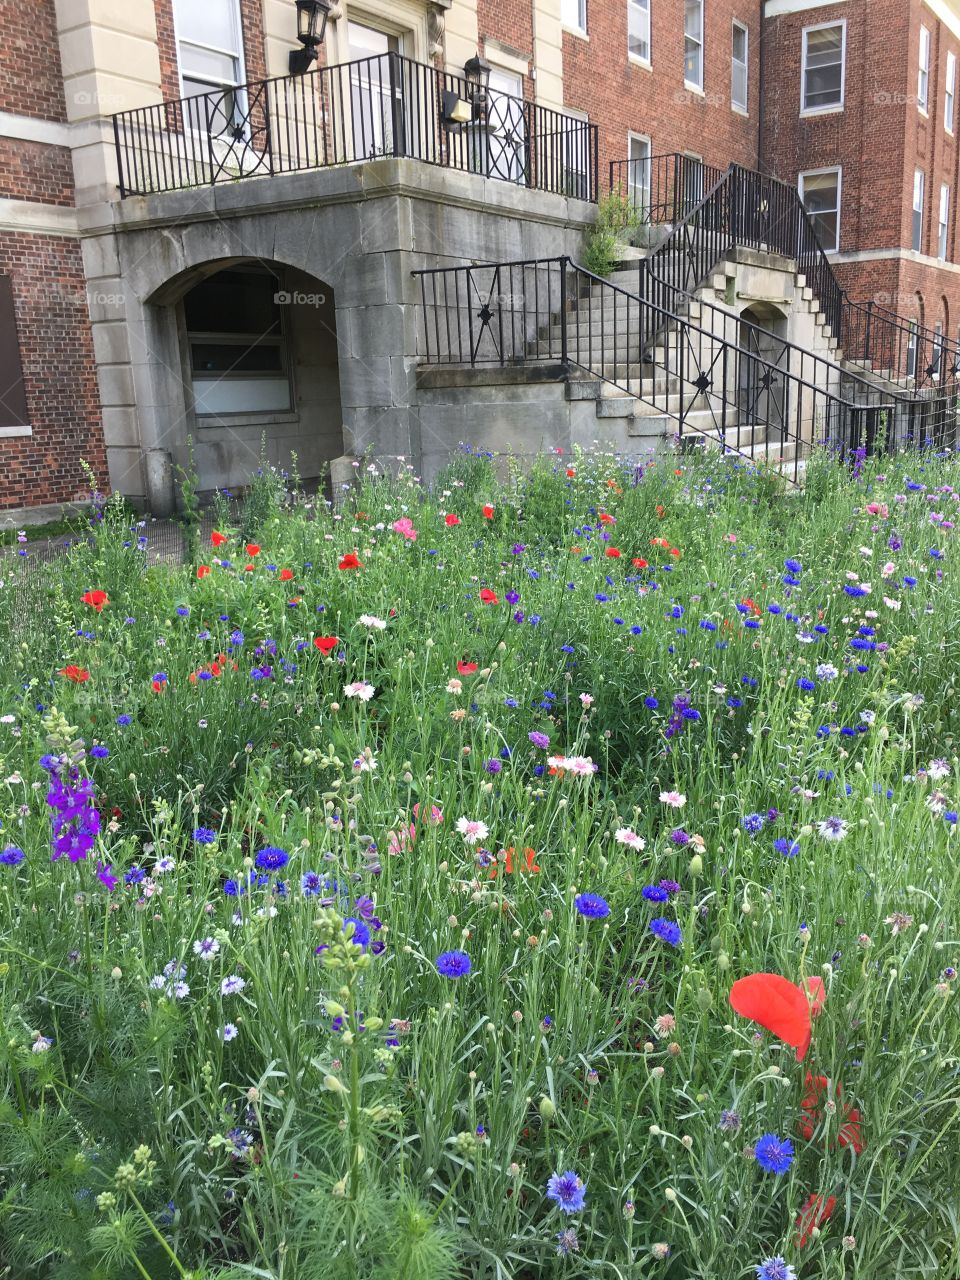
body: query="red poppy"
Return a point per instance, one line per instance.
(286, 575)
(203, 570)
(659, 542)
(813, 1214)
(813, 1104)
(612, 553)
(249, 568)
(95, 599)
(777, 1005)
(487, 511)
(253, 549)
(326, 644)
(570, 473)
(529, 862)
(816, 993)
(218, 539)
(158, 685)
(606, 519)
(660, 510)
(349, 561)
(750, 605)
(488, 597)
(465, 668)
(450, 519)
(77, 674)
(675, 552)
(638, 563)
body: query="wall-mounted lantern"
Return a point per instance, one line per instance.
(312, 18)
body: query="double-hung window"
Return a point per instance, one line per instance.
(824, 53)
(739, 68)
(638, 175)
(820, 195)
(923, 75)
(573, 14)
(693, 43)
(13, 398)
(210, 53)
(916, 239)
(949, 92)
(943, 224)
(638, 29)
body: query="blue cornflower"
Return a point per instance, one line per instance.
(773, 1154)
(707, 625)
(204, 835)
(124, 720)
(136, 875)
(734, 703)
(654, 893)
(591, 905)
(234, 888)
(99, 752)
(12, 856)
(776, 1269)
(806, 684)
(789, 848)
(651, 703)
(271, 858)
(794, 566)
(361, 932)
(666, 931)
(160, 677)
(752, 823)
(567, 1190)
(453, 964)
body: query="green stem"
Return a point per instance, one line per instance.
(160, 1240)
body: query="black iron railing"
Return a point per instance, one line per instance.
(662, 188)
(747, 401)
(357, 111)
(744, 207)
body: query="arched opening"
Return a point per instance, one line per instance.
(253, 348)
(762, 391)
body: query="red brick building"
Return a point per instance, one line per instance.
(49, 403)
(855, 101)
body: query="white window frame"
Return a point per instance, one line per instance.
(923, 71)
(943, 223)
(579, 24)
(833, 106)
(816, 173)
(632, 164)
(937, 352)
(237, 53)
(913, 333)
(919, 192)
(696, 85)
(641, 8)
(950, 92)
(741, 107)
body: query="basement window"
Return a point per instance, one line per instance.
(238, 362)
(820, 195)
(824, 51)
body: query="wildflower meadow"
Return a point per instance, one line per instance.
(544, 872)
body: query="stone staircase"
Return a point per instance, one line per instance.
(640, 391)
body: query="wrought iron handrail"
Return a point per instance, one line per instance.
(662, 188)
(762, 212)
(387, 105)
(528, 311)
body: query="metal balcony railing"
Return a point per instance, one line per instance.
(662, 188)
(345, 114)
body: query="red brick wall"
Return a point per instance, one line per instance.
(31, 83)
(36, 171)
(623, 97)
(56, 351)
(510, 23)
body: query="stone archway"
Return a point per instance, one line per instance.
(246, 363)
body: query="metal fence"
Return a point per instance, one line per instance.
(387, 105)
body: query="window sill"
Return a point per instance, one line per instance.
(694, 88)
(808, 112)
(578, 32)
(229, 421)
(11, 433)
(740, 111)
(923, 111)
(636, 61)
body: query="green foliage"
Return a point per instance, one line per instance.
(315, 1106)
(617, 220)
